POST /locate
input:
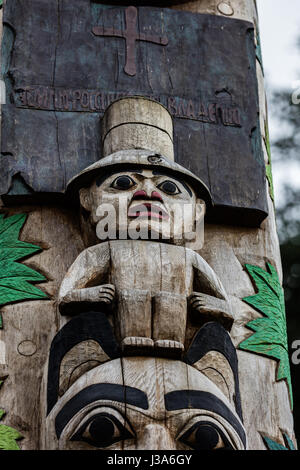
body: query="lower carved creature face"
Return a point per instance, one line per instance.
(144, 403)
(143, 201)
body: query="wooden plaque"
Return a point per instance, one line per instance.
(64, 66)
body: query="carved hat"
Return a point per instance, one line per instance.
(137, 132)
(135, 159)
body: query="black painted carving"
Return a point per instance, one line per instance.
(60, 78)
(102, 431)
(213, 337)
(111, 392)
(205, 435)
(91, 325)
(186, 399)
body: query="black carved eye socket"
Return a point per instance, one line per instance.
(206, 436)
(102, 430)
(169, 187)
(123, 182)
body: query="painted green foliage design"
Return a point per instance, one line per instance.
(15, 286)
(16, 278)
(273, 445)
(270, 337)
(8, 435)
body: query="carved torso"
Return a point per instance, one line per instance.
(152, 283)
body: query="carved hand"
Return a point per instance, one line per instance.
(212, 308)
(80, 300)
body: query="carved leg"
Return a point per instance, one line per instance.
(134, 320)
(169, 323)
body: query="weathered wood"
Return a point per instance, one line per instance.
(35, 321)
(29, 327)
(67, 96)
(135, 116)
(150, 406)
(158, 312)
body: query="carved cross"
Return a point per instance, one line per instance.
(131, 35)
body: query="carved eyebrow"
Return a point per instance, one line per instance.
(187, 399)
(112, 392)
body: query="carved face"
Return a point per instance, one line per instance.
(97, 400)
(144, 403)
(151, 204)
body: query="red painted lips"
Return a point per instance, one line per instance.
(148, 210)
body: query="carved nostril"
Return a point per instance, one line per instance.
(140, 195)
(155, 195)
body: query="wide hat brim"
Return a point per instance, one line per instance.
(135, 159)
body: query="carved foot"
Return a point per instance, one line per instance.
(134, 344)
(168, 348)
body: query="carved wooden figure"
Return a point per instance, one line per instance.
(150, 283)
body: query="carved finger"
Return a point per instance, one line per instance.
(198, 303)
(197, 296)
(108, 288)
(106, 292)
(107, 298)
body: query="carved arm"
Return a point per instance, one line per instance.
(211, 302)
(84, 287)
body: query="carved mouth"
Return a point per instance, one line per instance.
(148, 210)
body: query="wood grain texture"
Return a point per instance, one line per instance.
(36, 321)
(149, 410)
(266, 407)
(137, 123)
(151, 291)
(201, 108)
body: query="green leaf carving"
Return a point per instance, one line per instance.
(8, 435)
(273, 445)
(15, 278)
(270, 337)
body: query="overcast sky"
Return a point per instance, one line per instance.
(279, 29)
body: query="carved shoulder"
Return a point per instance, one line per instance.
(90, 267)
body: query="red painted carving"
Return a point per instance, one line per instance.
(131, 35)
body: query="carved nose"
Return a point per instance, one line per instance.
(155, 437)
(143, 195)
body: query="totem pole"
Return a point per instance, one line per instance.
(141, 295)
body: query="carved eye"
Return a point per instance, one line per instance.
(102, 430)
(123, 183)
(169, 187)
(205, 436)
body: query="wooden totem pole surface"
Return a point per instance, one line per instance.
(126, 343)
